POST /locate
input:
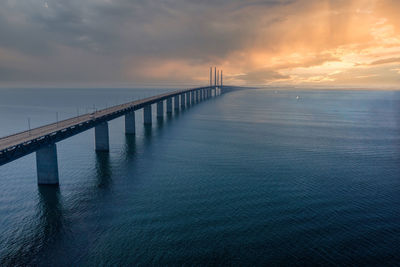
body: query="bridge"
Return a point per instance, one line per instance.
(42, 140)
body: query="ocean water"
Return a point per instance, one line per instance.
(253, 177)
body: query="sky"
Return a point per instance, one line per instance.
(339, 43)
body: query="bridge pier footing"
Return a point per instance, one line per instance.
(47, 165)
(169, 105)
(160, 109)
(130, 123)
(147, 114)
(101, 137)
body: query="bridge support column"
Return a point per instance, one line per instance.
(47, 165)
(188, 99)
(192, 96)
(169, 105)
(183, 100)
(160, 109)
(176, 102)
(130, 123)
(147, 114)
(101, 137)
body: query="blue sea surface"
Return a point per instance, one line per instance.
(252, 177)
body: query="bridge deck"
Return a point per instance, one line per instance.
(20, 144)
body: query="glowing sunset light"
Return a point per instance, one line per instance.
(256, 42)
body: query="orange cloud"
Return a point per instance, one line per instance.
(324, 42)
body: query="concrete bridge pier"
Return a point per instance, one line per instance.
(147, 114)
(160, 109)
(176, 102)
(192, 96)
(169, 105)
(183, 101)
(130, 123)
(101, 137)
(188, 99)
(47, 165)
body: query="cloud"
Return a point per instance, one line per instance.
(385, 61)
(261, 76)
(152, 41)
(306, 61)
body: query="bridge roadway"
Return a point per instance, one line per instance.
(20, 144)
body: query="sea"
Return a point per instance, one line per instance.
(265, 177)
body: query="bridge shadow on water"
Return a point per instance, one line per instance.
(39, 237)
(103, 169)
(130, 147)
(146, 134)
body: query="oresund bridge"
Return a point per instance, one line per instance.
(42, 140)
